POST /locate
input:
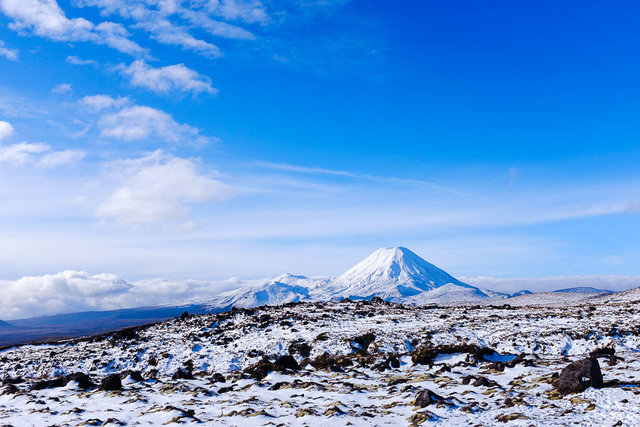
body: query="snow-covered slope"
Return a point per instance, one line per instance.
(551, 298)
(392, 274)
(449, 293)
(487, 365)
(630, 295)
(494, 294)
(280, 290)
(585, 290)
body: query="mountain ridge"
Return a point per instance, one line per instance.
(395, 274)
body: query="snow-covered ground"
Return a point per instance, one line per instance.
(371, 373)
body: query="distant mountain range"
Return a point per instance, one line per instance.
(585, 290)
(393, 274)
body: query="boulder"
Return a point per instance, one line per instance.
(579, 375)
(260, 370)
(219, 378)
(183, 374)
(40, 385)
(330, 362)
(111, 383)
(83, 380)
(286, 362)
(426, 397)
(136, 376)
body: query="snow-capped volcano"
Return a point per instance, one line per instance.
(392, 274)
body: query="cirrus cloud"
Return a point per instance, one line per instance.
(164, 79)
(46, 19)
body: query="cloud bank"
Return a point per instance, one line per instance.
(75, 291)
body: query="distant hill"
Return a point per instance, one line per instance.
(85, 323)
(4, 325)
(585, 290)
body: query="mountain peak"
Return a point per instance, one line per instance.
(395, 251)
(393, 272)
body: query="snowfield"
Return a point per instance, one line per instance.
(350, 362)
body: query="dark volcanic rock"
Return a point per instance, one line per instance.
(301, 348)
(478, 381)
(331, 362)
(219, 378)
(12, 380)
(83, 380)
(123, 335)
(606, 352)
(260, 370)
(10, 389)
(136, 376)
(484, 382)
(363, 342)
(111, 383)
(426, 397)
(286, 362)
(41, 385)
(579, 376)
(387, 363)
(183, 374)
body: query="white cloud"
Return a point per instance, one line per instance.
(5, 130)
(116, 36)
(163, 19)
(62, 89)
(21, 153)
(46, 19)
(38, 154)
(10, 54)
(164, 79)
(59, 158)
(140, 122)
(169, 33)
(245, 10)
(71, 59)
(55, 293)
(121, 120)
(75, 291)
(24, 152)
(215, 27)
(158, 187)
(103, 102)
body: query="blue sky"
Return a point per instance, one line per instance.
(150, 138)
